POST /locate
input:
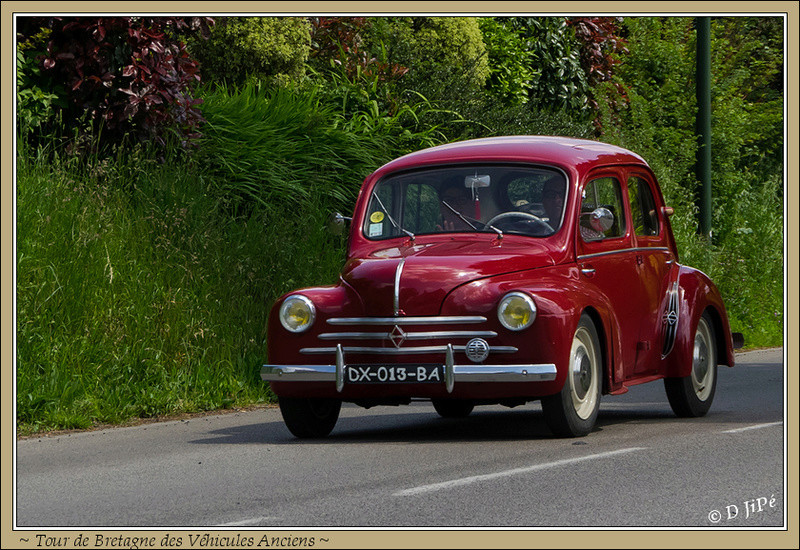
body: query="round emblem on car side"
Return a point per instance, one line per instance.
(477, 350)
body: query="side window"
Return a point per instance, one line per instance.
(378, 224)
(643, 207)
(602, 210)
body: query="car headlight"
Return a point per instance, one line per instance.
(297, 313)
(516, 311)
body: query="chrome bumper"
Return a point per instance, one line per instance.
(452, 373)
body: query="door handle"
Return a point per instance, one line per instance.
(588, 271)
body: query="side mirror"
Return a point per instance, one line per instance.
(667, 210)
(601, 219)
(337, 222)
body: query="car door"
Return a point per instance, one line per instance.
(607, 260)
(654, 260)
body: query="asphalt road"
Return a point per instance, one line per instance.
(406, 467)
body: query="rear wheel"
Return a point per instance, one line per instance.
(691, 396)
(453, 408)
(309, 418)
(573, 411)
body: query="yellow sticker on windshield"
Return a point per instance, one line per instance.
(376, 217)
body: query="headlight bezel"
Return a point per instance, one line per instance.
(502, 305)
(307, 303)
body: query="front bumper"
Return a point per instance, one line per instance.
(452, 373)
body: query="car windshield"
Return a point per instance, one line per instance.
(489, 198)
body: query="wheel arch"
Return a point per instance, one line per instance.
(606, 347)
(719, 327)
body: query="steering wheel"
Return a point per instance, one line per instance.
(514, 214)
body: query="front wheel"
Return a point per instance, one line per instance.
(573, 411)
(691, 396)
(309, 418)
(453, 408)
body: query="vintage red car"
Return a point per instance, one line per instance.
(502, 270)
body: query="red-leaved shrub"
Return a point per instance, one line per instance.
(125, 75)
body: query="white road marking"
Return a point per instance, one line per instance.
(251, 521)
(485, 477)
(754, 427)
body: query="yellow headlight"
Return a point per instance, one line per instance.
(516, 311)
(297, 313)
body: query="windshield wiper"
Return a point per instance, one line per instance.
(499, 233)
(460, 215)
(466, 221)
(394, 223)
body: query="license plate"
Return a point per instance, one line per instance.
(394, 374)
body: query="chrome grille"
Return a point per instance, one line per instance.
(400, 333)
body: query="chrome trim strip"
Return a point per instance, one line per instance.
(622, 251)
(409, 335)
(433, 320)
(505, 373)
(397, 273)
(300, 373)
(402, 351)
(461, 373)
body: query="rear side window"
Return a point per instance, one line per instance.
(643, 207)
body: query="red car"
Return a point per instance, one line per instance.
(502, 270)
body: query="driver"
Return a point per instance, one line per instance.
(553, 201)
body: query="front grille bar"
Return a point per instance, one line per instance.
(441, 320)
(402, 351)
(409, 335)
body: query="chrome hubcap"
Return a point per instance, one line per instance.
(585, 374)
(582, 373)
(703, 361)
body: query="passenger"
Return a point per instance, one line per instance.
(460, 199)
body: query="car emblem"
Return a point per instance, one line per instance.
(477, 350)
(671, 317)
(397, 336)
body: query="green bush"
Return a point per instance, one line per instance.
(511, 63)
(436, 50)
(559, 81)
(38, 97)
(273, 49)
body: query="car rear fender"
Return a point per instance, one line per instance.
(698, 294)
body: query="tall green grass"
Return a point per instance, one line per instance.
(269, 148)
(137, 296)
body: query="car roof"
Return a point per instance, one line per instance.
(563, 151)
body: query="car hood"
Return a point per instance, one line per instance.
(416, 279)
